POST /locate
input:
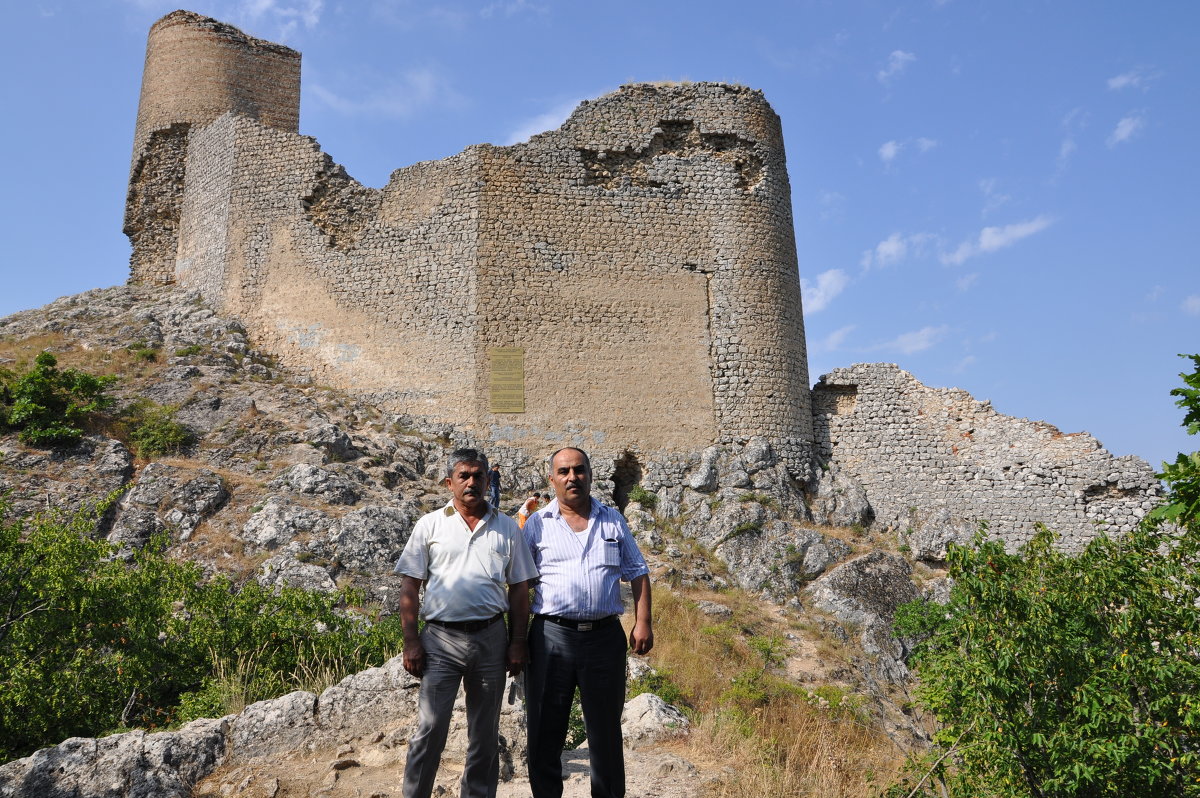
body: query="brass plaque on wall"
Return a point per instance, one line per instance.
(508, 379)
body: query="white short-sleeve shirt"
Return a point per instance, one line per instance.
(466, 571)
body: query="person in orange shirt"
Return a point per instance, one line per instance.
(532, 503)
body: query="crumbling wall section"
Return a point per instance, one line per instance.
(921, 451)
(367, 289)
(153, 205)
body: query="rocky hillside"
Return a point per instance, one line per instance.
(291, 483)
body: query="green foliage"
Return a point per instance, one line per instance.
(48, 406)
(648, 499)
(660, 683)
(188, 351)
(576, 730)
(90, 641)
(154, 430)
(1060, 675)
(1183, 476)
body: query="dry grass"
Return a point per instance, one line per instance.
(774, 738)
(126, 363)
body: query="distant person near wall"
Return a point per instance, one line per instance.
(532, 503)
(494, 487)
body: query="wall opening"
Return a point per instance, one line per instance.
(627, 472)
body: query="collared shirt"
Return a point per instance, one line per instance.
(581, 572)
(466, 571)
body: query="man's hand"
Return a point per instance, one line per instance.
(414, 657)
(518, 656)
(641, 639)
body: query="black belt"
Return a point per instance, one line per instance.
(466, 626)
(580, 626)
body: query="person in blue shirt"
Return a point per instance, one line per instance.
(583, 549)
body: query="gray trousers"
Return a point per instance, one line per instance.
(561, 659)
(477, 660)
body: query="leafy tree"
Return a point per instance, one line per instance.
(1058, 675)
(50, 406)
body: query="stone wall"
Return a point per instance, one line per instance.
(640, 258)
(937, 456)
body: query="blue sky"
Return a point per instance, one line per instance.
(998, 196)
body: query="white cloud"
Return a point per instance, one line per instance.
(895, 248)
(833, 205)
(889, 150)
(898, 61)
(413, 90)
(548, 120)
(818, 295)
(916, 341)
(963, 364)
(272, 19)
(925, 145)
(966, 281)
(1155, 293)
(991, 239)
(1191, 305)
(509, 8)
(832, 342)
(1127, 128)
(1136, 78)
(1074, 121)
(992, 198)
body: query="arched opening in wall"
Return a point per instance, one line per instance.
(627, 472)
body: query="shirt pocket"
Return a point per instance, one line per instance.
(612, 553)
(496, 564)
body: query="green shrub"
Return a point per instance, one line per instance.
(648, 499)
(154, 430)
(188, 351)
(51, 407)
(90, 641)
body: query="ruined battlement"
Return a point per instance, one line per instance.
(626, 282)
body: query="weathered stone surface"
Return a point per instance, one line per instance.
(279, 521)
(333, 442)
(647, 718)
(838, 500)
(929, 539)
(284, 570)
(864, 593)
(371, 538)
(315, 481)
(277, 726)
(167, 498)
(130, 765)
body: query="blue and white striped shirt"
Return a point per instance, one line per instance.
(580, 574)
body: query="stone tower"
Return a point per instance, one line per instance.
(196, 70)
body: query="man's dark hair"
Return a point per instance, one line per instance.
(587, 461)
(465, 456)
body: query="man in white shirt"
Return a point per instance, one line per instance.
(583, 549)
(474, 565)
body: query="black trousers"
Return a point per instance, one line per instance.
(562, 659)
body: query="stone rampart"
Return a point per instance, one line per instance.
(938, 455)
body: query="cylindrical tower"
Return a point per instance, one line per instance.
(196, 70)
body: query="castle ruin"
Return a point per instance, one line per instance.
(630, 277)
(627, 283)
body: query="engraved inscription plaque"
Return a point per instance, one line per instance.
(508, 379)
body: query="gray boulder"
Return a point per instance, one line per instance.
(167, 498)
(864, 593)
(279, 521)
(130, 765)
(372, 538)
(929, 541)
(333, 442)
(647, 719)
(838, 500)
(315, 481)
(284, 570)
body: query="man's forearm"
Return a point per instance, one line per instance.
(642, 604)
(518, 611)
(410, 603)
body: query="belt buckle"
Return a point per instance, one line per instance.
(586, 626)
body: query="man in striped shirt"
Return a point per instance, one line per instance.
(583, 549)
